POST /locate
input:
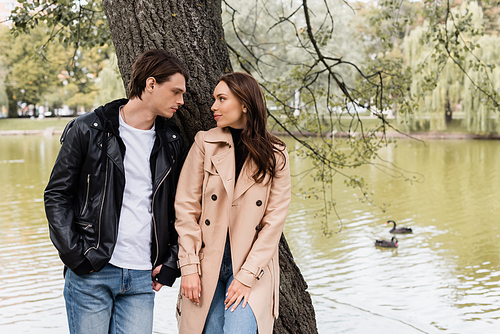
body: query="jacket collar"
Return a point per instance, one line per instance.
(107, 120)
(110, 111)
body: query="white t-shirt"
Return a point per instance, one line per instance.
(133, 246)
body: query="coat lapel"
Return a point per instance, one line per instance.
(223, 160)
(224, 163)
(113, 152)
(245, 180)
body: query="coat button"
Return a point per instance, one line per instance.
(207, 222)
(214, 197)
(259, 202)
(258, 227)
(202, 244)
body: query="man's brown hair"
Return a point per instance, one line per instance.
(157, 63)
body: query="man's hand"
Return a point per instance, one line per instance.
(156, 285)
(235, 293)
(191, 287)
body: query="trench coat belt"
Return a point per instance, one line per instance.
(257, 272)
(190, 259)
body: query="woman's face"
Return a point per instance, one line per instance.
(228, 110)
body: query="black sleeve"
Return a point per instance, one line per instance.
(59, 195)
(169, 271)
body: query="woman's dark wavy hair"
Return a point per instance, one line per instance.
(259, 143)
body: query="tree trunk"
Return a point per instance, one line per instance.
(448, 113)
(296, 310)
(193, 31)
(12, 107)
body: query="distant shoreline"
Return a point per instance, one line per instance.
(50, 131)
(400, 135)
(46, 132)
(33, 126)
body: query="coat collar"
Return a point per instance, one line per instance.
(218, 135)
(225, 164)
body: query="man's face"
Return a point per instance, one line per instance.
(166, 98)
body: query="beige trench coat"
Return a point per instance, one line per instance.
(207, 204)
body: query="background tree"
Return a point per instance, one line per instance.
(447, 49)
(40, 70)
(27, 78)
(4, 99)
(456, 89)
(109, 84)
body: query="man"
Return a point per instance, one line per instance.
(110, 201)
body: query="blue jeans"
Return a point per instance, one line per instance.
(113, 300)
(219, 320)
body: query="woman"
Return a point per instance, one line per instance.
(231, 204)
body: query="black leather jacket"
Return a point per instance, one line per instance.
(84, 195)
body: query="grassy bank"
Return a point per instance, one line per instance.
(22, 124)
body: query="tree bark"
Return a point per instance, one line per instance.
(296, 309)
(12, 107)
(193, 31)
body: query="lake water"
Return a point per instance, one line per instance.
(445, 277)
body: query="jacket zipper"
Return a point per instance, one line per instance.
(154, 220)
(87, 194)
(100, 213)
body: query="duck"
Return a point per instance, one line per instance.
(398, 230)
(386, 243)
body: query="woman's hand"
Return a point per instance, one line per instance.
(191, 287)
(235, 293)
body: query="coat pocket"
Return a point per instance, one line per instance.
(85, 230)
